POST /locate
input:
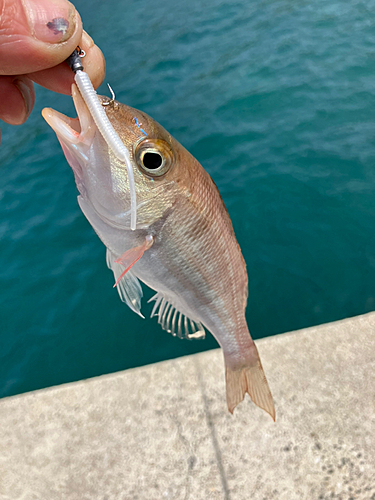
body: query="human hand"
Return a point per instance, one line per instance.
(36, 36)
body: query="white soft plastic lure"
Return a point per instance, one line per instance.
(109, 134)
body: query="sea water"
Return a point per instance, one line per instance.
(276, 99)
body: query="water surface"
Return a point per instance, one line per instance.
(276, 99)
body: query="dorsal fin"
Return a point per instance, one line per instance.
(174, 321)
(128, 288)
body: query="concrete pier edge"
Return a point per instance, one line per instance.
(163, 431)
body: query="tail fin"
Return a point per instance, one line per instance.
(250, 379)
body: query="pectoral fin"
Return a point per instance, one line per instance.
(129, 288)
(131, 256)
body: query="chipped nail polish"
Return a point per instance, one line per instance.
(51, 21)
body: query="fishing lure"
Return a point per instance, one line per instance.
(105, 127)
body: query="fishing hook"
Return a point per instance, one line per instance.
(112, 100)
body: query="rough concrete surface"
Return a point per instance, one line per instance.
(163, 431)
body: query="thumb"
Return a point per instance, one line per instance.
(36, 34)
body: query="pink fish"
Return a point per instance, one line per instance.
(184, 245)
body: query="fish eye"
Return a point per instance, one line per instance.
(154, 157)
(152, 160)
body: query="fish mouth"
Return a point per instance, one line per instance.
(77, 131)
(75, 135)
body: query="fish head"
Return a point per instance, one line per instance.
(102, 178)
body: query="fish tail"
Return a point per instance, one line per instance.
(249, 378)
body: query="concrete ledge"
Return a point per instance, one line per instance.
(163, 431)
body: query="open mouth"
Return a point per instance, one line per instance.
(77, 131)
(77, 137)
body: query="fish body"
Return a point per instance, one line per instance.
(184, 245)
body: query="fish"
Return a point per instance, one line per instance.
(183, 247)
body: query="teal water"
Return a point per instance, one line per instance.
(276, 99)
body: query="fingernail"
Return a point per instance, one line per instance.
(26, 94)
(51, 21)
(87, 41)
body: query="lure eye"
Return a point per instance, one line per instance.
(154, 157)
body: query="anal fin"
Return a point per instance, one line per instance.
(174, 321)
